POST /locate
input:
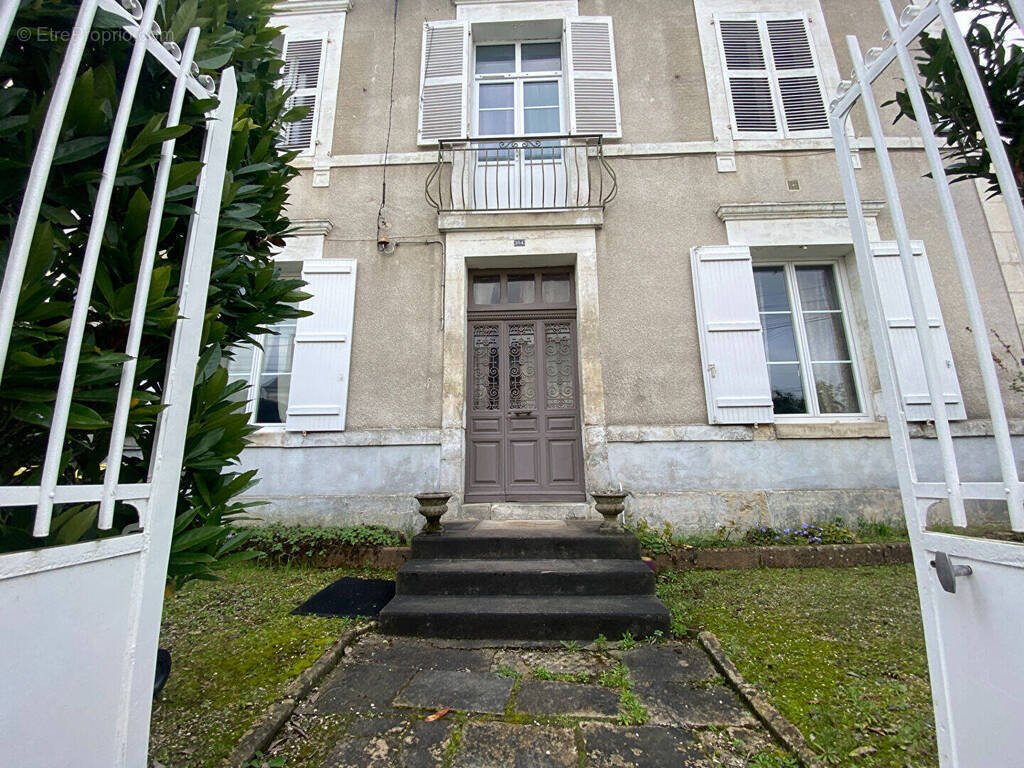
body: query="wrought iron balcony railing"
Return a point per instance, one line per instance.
(506, 173)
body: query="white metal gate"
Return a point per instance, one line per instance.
(970, 588)
(79, 624)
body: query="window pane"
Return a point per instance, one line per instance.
(770, 285)
(497, 122)
(817, 287)
(542, 57)
(835, 387)
(787, 389)
(555, 289)
(521, 289)
(522, 366)
(826, 336)
(272, 407)
(779, 340)
(495, 58)
(487, 290)
(241, 364)
(496, 96)
(544, 120)
(277, 350)
(544, 94)
(485, 367)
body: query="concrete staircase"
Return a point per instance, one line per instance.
(529, 580)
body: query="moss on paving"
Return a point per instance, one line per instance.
(839, 652)
(234, 648)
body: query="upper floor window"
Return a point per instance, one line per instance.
(772, 76)
(562, 80)
(518, 89)
(302, 64)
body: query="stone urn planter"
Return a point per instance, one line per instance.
(610, 504)
(432, 507)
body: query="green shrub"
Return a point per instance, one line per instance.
(285, 544)
(650, 540)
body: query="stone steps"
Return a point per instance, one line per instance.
(530, 580)
(584, 576)
(524, 617)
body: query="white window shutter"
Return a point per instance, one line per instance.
(303, 61)
(323, 347)
(899, 319)
(803, 106)
(731, 345)
(444, 81)
(593, 77)
(748, 84)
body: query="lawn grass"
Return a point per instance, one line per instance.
(840, 652)
(234, 647)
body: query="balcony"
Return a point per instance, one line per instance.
(524, 176)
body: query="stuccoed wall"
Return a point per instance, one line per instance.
(649, 345)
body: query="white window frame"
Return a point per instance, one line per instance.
(300, 20)
(838, 265)
(256, 367)
(518, 78)
(714, 67)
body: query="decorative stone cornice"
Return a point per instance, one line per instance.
(310, 227)
(807, 210)
(309, 7)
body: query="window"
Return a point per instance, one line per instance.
(267, 371)
(489, 87)
(772, 77)
(518, 89)
(806, 343)
(550, 286)
(302, 74)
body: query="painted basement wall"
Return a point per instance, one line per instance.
(660, 446)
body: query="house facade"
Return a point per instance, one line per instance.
(568, 245)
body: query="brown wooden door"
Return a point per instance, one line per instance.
(524, 435)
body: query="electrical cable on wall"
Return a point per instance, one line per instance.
(384, 244)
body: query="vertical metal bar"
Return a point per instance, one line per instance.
(169, 443)
(993, 138)
(7, 11)
(926, 340)
(14, 272)
(543, 181)
(600, 153)
(127, 383)
(90, 260)
(508, 185)
(576, 160)
(982, 347)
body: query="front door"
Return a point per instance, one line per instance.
(524, 436)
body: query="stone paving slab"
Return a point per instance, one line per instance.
(646, 746)
(509, 745)
(424, 744)
(466, 691)
(679, 704)
(369, 743)
(404, 652)
(362, 688)
(549, 698)
(558, 662)
(672, 663)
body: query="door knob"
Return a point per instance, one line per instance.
(947, 572)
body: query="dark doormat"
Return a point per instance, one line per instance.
(349, 597)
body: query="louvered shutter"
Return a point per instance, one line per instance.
(899, 319)
(302, 75)
(731, 346)
(323, 347)
(803, 106)
(593, 77)
(444, 81)
(748, 82)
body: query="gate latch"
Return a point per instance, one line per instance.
(947, 572)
